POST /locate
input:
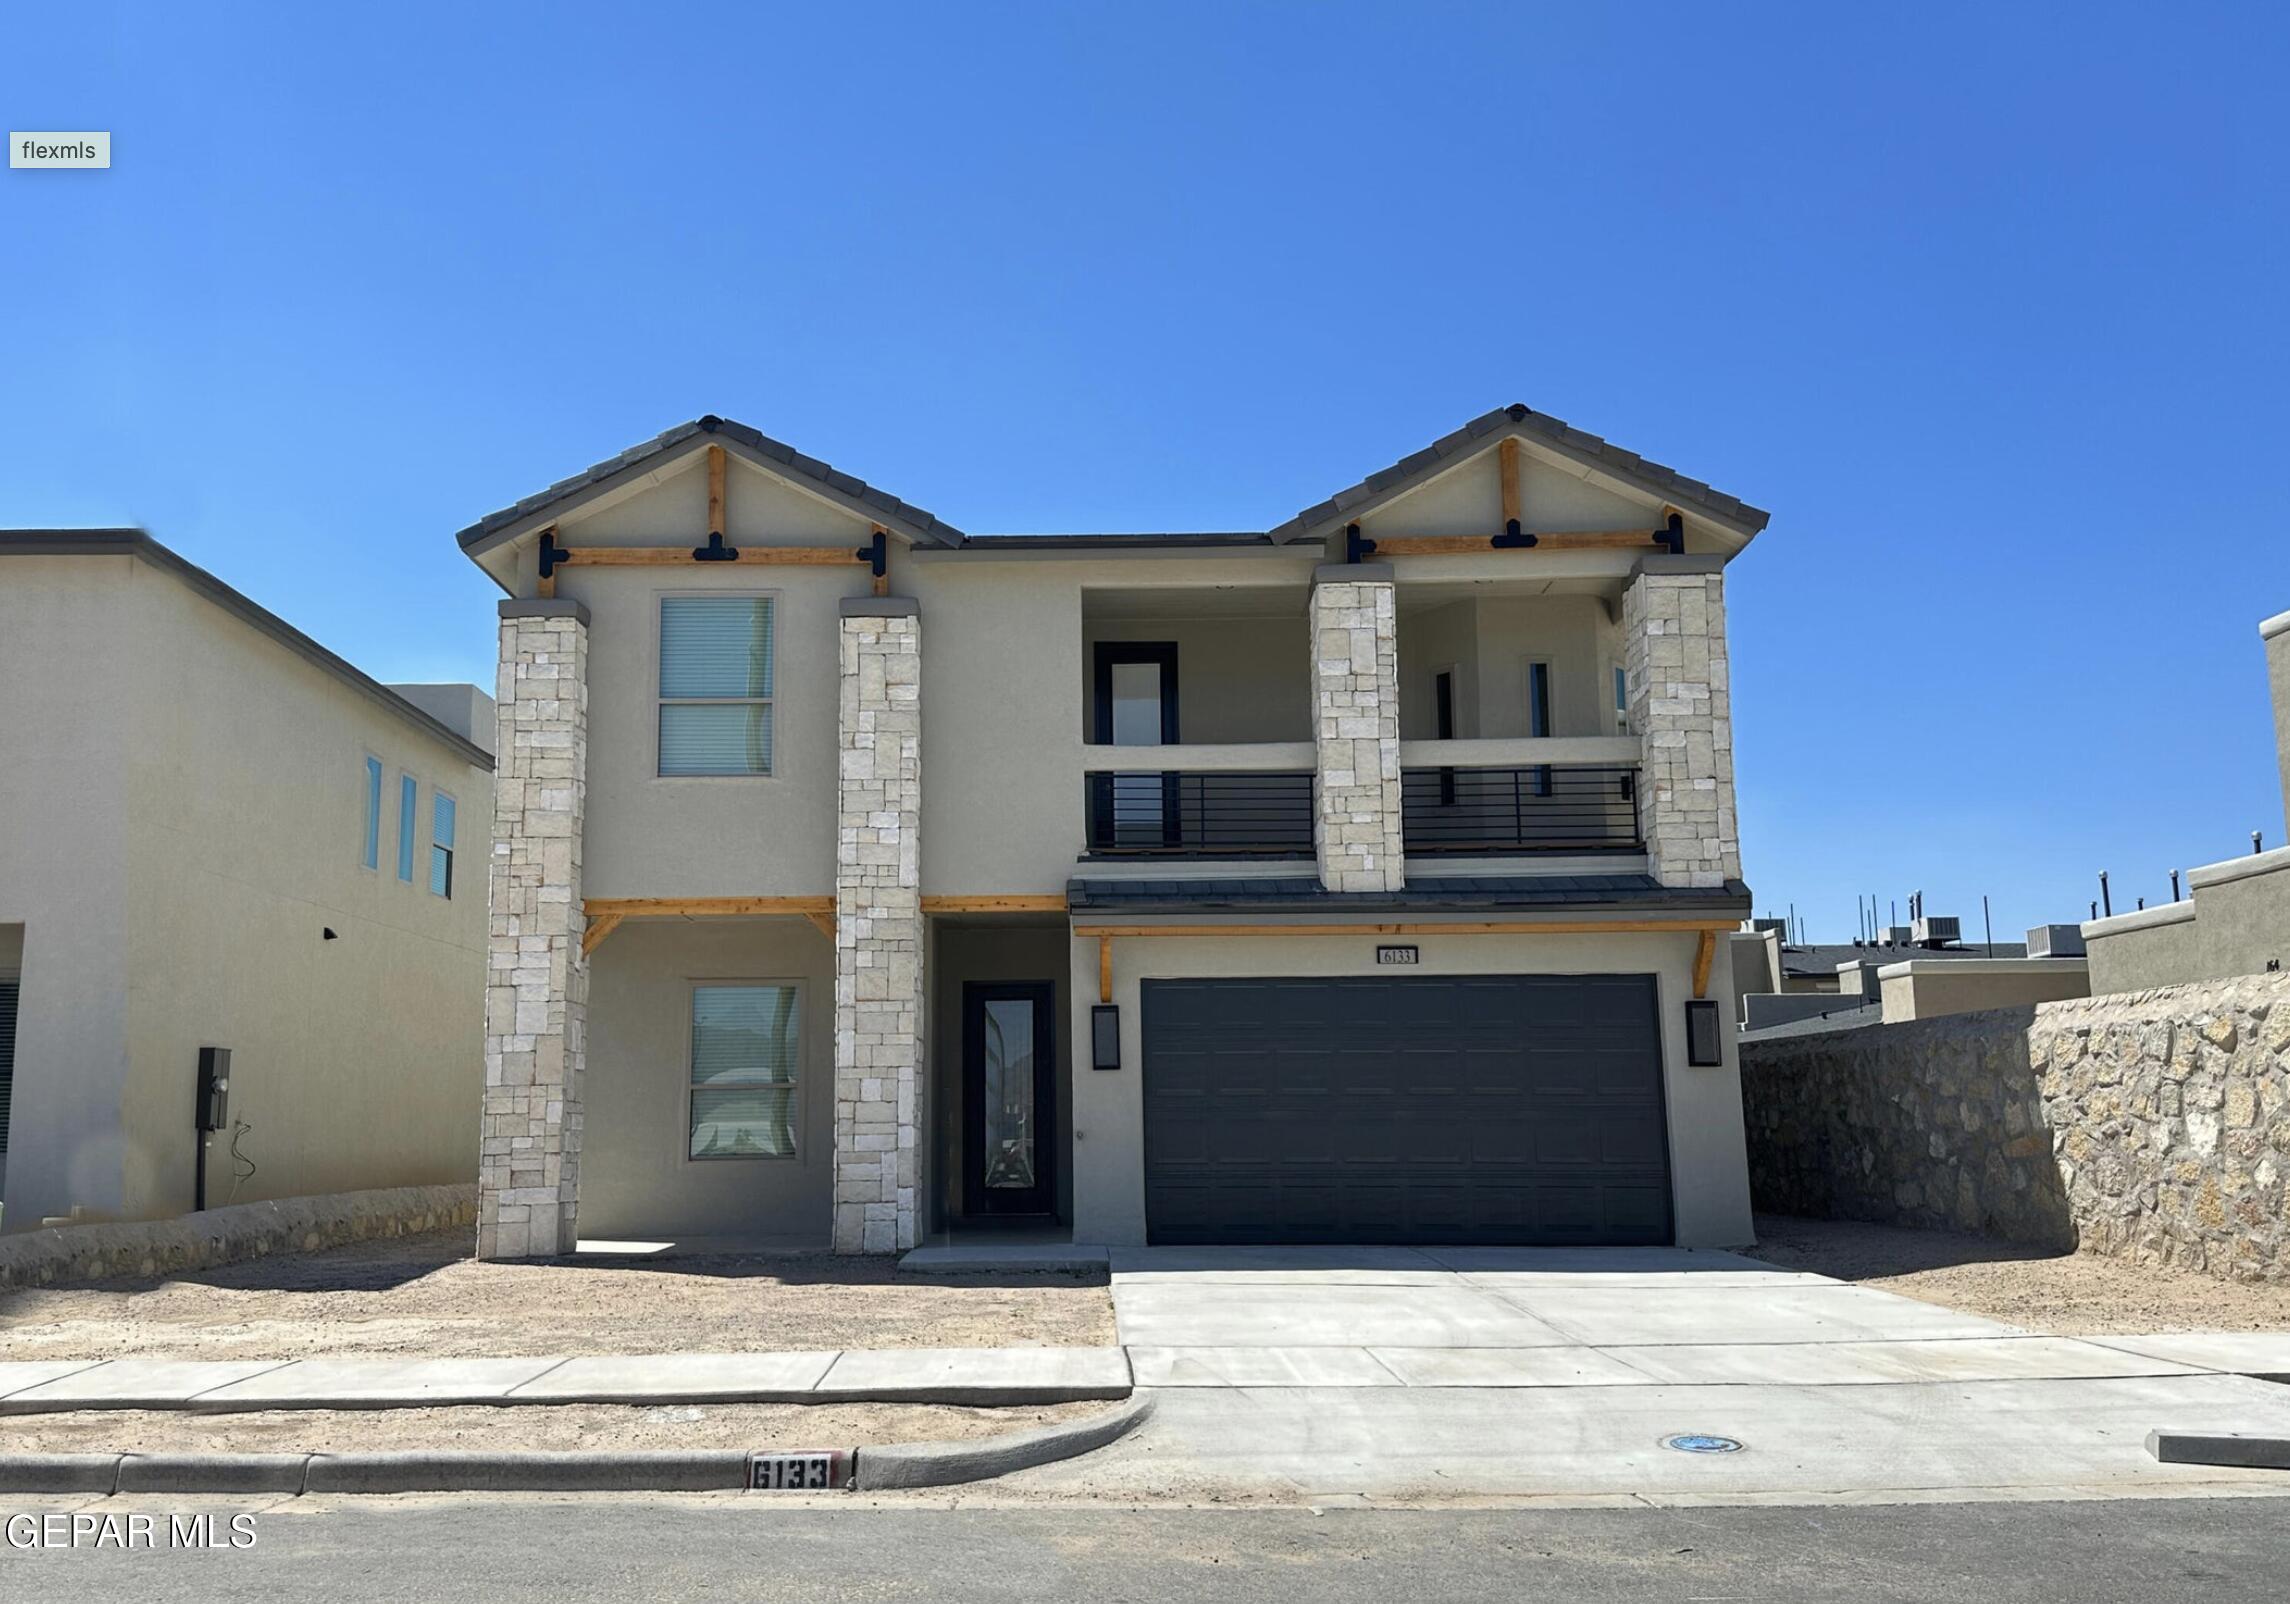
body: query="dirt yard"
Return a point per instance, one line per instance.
(425, 1295)
(2067, 1294)
(581, 1427)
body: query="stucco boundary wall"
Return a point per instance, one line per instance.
(65, 1254)
(2151, 1125)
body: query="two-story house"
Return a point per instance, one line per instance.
(242, 898)
(1359, 880)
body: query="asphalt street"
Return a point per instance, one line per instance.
(509, 1551)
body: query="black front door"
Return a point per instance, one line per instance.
(1009, 1084)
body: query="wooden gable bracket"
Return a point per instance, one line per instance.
(605, 914)
(1703, 953)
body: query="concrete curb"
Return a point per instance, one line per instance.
(700, 1471)
(2219, 1448)
(935, 1464)
(942, 1464)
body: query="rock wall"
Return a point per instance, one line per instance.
(2152, 1125)
(64, 1255)
(1355, 678)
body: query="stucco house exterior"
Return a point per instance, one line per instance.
(217, 834)
(1362, 879)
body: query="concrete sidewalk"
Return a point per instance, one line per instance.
(972, 1376)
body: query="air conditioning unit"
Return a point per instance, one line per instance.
(2056, 941)
(1936, 930)
(1893, 935)
(1770, 927)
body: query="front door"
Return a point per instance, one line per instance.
(1009, 1086)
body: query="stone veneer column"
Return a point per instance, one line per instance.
(1681, 705)
(878, 925)
(1355, 687)
(536, 983)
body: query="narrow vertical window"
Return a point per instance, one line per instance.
(441, 844)
(1539, 717)
(715, 685)
(371, 857)
(1621, 702)
(746, 1046)
(409, 794)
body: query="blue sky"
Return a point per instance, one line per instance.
(1984, 303)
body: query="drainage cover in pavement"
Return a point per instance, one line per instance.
(1695, 1443)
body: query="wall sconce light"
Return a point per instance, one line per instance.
(1704, 1046)
(1105, 1036)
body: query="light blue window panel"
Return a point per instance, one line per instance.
(409, 794)
(715, 684)
(372, 857)
(1621, 702)
(746, 1045)
(441, 844)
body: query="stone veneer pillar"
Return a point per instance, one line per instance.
(1681, 705)
(1355, 687)
(878, 925)
(536, 983)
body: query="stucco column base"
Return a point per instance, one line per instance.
(1355, 728)
(878, 926)
(1681, 705)
(536, 984)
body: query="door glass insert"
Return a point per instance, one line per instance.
(1007, 1053)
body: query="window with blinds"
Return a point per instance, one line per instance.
(715, 684)
(10, 990)
(746, 1048)
(441, 844)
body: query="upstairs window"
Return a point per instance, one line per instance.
(1539, 719)
(715, 684)
(1621, 702)
(371, 856)
(441, 811)
(409, 794)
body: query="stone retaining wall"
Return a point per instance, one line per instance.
(2153, 1125)
(73, 1253)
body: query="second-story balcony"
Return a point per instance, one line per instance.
(1211, 802)
(1477, 798)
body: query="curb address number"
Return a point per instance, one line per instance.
(827, 1472)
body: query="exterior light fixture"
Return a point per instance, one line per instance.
(1704, 1046)
(1105, 1036)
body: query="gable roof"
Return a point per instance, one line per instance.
(759, 448)
(136, 543)
(1376, 489)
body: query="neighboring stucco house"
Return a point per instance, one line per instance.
(214, 833)
(1364, 879)
(2235, 917)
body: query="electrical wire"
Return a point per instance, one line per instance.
(239, 1176)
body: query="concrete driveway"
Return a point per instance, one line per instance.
(1399, 1372)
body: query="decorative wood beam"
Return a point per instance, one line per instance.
(716, 490)
(1010, 902)
(824, 923)
(1702, 956)
(1105, 969)
(1467, 545)
(1570, 927)
(1507, 463)
(678, 556)
(593, 937)
(704, 907)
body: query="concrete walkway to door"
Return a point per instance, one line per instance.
(1553, 1372)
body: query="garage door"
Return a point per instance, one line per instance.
(1488, 1108)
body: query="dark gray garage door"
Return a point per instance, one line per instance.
(1495, 1108)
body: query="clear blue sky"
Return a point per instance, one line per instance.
(1985, 303)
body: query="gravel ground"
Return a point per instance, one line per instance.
(425, 1295)
(523, 1429)
(2068, 1294)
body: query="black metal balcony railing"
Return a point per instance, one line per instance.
(1201, 815)
(1550, 807)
